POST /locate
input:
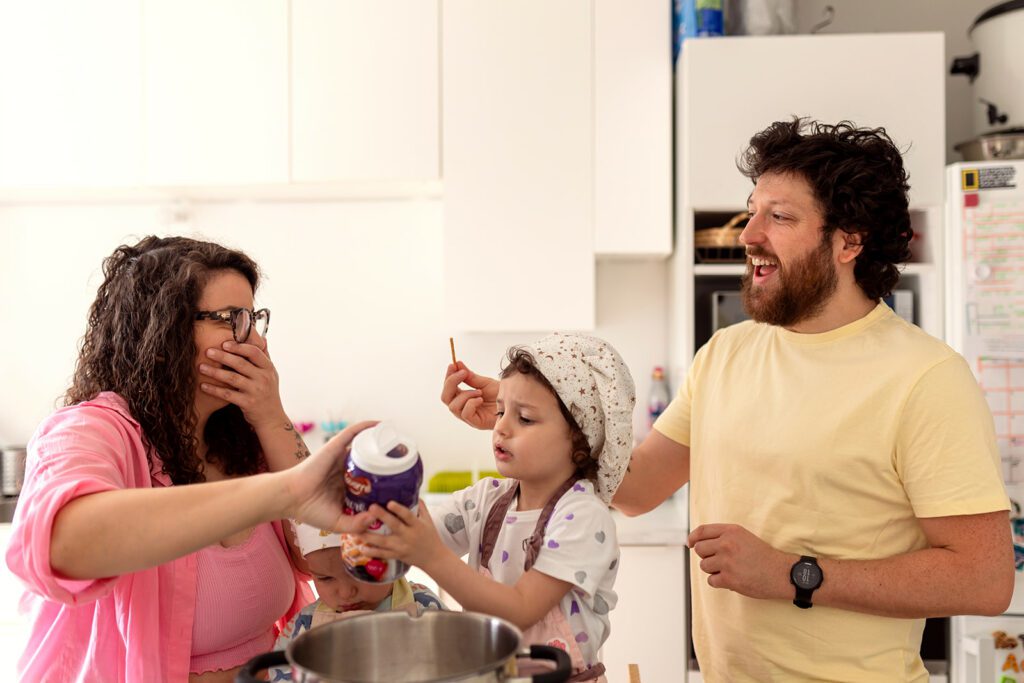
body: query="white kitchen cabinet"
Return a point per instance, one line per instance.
(731, 88)
(517, 91)
(364, 90)
(556, 150)
(649, 623)
(215, 92)
(70, 94)
(632, 128)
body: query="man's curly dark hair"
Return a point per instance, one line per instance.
(140, 343)
(858, 179)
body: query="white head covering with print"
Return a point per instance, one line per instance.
(589, 376)
(311, 539)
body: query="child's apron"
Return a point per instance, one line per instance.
(553, 629)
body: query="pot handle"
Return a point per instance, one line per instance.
(563, 665)
(969, 65)
(247, 674)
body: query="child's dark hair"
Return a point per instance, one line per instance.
(522, 362)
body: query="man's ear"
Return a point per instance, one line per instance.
(852, 245)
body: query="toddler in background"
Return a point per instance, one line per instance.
(342, 596)
(541, 544)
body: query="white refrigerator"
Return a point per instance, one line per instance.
(985, 322)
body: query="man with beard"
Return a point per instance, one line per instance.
(838, 456)
(845, 480)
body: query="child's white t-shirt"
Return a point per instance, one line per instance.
(580, 547)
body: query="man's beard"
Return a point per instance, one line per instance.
(801, 291)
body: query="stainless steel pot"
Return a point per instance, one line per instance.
(993, 147)
(394, 647)
(12, 465)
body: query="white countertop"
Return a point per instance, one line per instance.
(664, 525)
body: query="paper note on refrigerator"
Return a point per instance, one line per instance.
(993, 251)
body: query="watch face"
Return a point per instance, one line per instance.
(807, 575)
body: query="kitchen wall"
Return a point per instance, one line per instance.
(357, 330)
(953, 17)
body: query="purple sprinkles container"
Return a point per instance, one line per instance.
(382, 466)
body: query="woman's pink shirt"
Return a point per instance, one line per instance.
(135, 628)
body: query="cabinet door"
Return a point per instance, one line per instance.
(70, 93)
(633, 128)
(216, 91)
(649, 626)
(364, 90)
(517, 91)
(735, 87)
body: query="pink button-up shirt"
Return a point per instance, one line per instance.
(135, 628)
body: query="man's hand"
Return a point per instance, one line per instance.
(478, 406)
(738, 560)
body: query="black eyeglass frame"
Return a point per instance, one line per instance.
(233, 316)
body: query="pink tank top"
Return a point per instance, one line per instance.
(240, 592)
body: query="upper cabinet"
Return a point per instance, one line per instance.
(632, 128)
(364, 90)
(122, 94)
(70, 94)
(518, 165)
(216, 91)
(557, 149)
(731, 88)
(734, 87)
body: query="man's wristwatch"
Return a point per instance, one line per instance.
(807, 577)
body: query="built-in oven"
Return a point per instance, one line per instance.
(719, 304)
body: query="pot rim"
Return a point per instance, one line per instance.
(995, 11)
(482, 669)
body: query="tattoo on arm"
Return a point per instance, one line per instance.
(301, 452)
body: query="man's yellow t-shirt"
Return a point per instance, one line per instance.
(828, 445)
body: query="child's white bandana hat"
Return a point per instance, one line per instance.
(311, 539)
(595, 385)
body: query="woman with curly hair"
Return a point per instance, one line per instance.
(147, 529)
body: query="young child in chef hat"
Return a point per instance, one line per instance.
(342, 596)
(541, 544)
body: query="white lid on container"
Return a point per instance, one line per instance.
(382, 450)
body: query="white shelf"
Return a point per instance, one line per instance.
(354, 190)
(918, 269)
(719, 269)
(730, 269)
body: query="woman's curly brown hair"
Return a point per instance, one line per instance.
(140, 344)
(520, 361)
(858, 179)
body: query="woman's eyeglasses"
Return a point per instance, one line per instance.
(242, 320)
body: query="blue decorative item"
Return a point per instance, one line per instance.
(684, 25)
(332, 427)
(709, 18)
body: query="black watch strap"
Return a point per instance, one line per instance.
(803, 598)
